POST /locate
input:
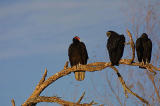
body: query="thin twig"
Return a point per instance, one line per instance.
(153, 82)
(132, 45)
(43, 77)
(66, 65)
(125, 86)
(13, 102)
(80, 99)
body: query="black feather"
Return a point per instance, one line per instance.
(77, 53)
(144, 48)
(115, 46)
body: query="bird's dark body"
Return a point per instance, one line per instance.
(77, 53)
(144, 48)
(115, 46)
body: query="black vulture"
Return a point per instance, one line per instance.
(144, 49)
(77, 53)
(115, 46)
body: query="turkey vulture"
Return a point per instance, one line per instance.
(144, 49)
(115, 46)
(77, 53)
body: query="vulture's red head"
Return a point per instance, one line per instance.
(76, 38)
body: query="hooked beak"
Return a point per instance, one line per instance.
(108, 34)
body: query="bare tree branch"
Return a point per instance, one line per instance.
(66, 65)
(153, 82)
(97, 66)
(126, 89)
(13, 102)
(147, 66)
(80, 99)
(132, 45)
(55, 100)
(43, 78)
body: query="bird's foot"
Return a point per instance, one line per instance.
(78, 65)
(142, 62)
(147, 62)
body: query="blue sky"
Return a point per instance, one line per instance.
(35, 24)
(36, 34)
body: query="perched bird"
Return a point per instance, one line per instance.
(77, 53)
(144, 49)
(115, 46)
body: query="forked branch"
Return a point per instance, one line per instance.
(56, 100)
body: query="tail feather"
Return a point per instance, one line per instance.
(79, 76)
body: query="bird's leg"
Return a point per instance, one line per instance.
(147, 63)
(78, 65)
(142, 62)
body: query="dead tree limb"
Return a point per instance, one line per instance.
(44, 83)
(56, 100)
(97, 66)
